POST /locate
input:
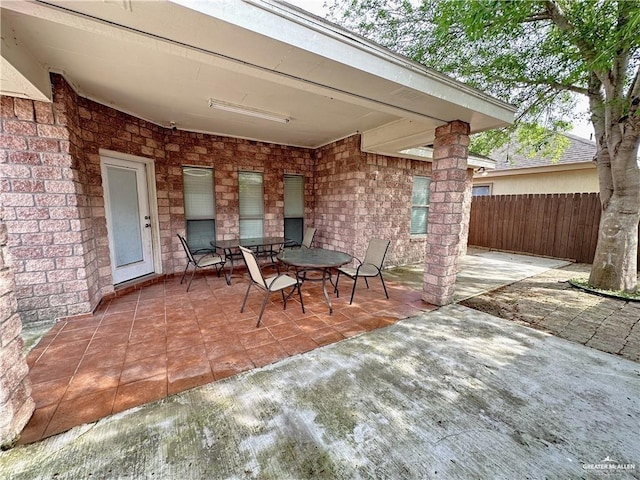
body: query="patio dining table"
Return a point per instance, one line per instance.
(321, 260)
(262, 246)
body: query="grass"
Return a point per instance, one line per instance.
(584, 285)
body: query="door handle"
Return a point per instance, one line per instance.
(147, 225)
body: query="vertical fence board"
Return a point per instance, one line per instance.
(556, 225)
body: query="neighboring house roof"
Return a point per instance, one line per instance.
(579, 151)
(170, 62)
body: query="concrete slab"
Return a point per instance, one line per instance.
(483, 271)
(454, 393)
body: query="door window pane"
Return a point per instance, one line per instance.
(123, 197)
(251, 204)
(199, 206)
(420, 205)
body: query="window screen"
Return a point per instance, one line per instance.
(199, 206)
(481, 190)
(420, 205)
(294, 207)
(251, 204)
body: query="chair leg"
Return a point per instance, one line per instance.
(185, 272)
(299, 286)
(264, 304)
(353, 290)
(335, 287)
(366, 282)
(384, 286)
(246, 295)
(192, 275)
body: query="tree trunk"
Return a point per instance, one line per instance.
(615, 263)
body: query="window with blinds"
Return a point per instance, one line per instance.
(420, 205)
(294, 207)
(251, 204)
(199, 206)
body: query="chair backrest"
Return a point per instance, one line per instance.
(376, 251)
(252, 266)
(187, 250)
(307, 240)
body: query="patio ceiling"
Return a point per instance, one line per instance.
(163, 61)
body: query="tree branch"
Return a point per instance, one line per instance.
(558, 18)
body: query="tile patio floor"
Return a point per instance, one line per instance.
(160, 340)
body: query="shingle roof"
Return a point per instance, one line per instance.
(579, 150)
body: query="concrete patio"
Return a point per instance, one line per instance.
(452, 393)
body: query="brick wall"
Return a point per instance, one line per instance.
(16, 405)
(45, 206)
(362, 195)
(54, 201)
(228, 156)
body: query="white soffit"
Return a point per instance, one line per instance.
(261, 54)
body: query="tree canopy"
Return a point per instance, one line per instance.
(538, 55)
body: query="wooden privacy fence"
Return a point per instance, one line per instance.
(553, 225)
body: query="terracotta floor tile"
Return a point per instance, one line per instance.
(310, 324)
(188, 371)
(152, 321)
(231, 364)
(117, 317)
(256, 338)
(37, 425)
(150, 347)
(222, 348)
(326, 336)
(143, 334)
(90, 381)
(142, 368)
(284, 330)
(121, 305)
(100, 358)
(266, 354)
(106, 343)
(49, 392)
(51, 370)
(349, 329)
(298, 344)
(140, 392)
(179, 340)
(78, 411)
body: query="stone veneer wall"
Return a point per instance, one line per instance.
(16, 404)
(227, 157)
(54, 203)
(45, 206)
(362, 195)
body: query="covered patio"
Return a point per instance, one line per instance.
(255, 89)
(159, 340)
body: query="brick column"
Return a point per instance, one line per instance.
(16, 404)
(466, 212)
(446, 215)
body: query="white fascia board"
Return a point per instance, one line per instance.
(552, 168)
(309, 33)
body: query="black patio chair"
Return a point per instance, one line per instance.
(202, 258)
(370, 267)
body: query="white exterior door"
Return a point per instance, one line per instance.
(129, 221)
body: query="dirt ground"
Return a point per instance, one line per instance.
(548, 302)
